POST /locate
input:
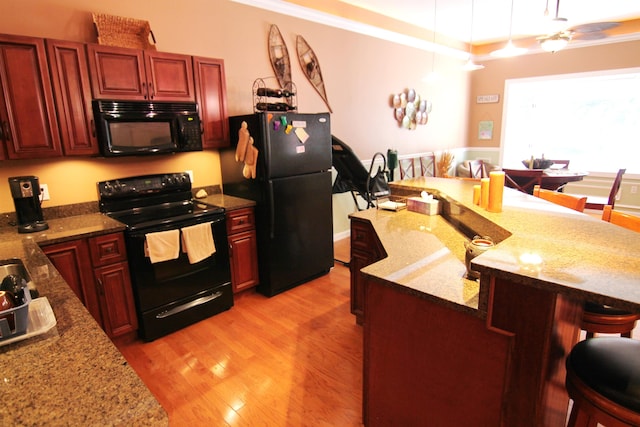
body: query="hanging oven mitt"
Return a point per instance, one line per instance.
(243, 142)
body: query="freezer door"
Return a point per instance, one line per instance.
(297, 144)
(296, 238)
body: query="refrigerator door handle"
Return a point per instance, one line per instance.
(271, 211)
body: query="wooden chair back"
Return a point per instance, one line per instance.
(523, 179)
(631, 222)
(407, 168)
(477, 169)
(566, 200)
(595, 203)
(428, 164)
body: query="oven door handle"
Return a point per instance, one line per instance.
(188, 305)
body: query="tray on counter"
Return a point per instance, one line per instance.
(41, 320)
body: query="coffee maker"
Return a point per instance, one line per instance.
(25, 191)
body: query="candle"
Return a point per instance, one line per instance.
(484, 192)
(496, 190)
(476, 194)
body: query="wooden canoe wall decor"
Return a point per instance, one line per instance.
(279, 56)
(311, 68)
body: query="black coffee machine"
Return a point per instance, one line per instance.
(25, 191)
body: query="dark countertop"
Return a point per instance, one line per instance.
(580, 256)
(73, 374)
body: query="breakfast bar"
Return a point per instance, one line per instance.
(444, 350)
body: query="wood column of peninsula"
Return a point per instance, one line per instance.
(425, 363)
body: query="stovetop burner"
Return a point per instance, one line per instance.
(153, 200)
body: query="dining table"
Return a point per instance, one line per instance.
(550, 178)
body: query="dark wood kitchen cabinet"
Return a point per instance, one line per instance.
(28, 124)
(72, 89)
(98, 272)
(243, 249)
(211, 95)
(131, 74)
(366, 249)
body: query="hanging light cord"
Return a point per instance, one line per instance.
(511, 22)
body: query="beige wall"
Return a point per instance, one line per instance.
(361, 73)
(491, 79)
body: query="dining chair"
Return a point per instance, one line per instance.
(523, 179)
(572, 202)
(629, 221)
(604, 319)
(407, 168)
(428, 164)
(598, 203)
(477, 169)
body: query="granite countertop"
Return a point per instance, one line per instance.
(579, 255)
(72, 374)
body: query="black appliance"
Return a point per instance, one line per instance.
(25, 191)
(136, 128)
(291, 185)
(174, 293)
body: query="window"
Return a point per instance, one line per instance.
(592, 119)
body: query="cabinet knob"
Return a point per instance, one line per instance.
(144, 90)
(152, 93)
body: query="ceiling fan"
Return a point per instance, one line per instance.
(591, 31)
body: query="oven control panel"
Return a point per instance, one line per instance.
(146, 184)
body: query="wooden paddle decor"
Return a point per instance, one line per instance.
(311, 68)
(279, 56)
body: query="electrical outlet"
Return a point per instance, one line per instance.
(634, 189)
(44, 192)
(190, 173)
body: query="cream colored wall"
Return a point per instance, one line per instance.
(361, 73)
(491, 79)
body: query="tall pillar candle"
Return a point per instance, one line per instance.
(476, 194)
(496, 191)
(484, 193)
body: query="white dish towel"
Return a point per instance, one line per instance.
(163, 245)
(197, 242)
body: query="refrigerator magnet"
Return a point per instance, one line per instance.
(302, 135)
(287, 130)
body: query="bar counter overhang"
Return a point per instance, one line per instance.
(443, 350)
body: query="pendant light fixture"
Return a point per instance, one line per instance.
(470, 65)
(510, 49)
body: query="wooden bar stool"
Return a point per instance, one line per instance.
(604, 383)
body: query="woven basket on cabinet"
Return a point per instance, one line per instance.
(123, 32)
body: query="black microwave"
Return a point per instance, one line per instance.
(136, 128)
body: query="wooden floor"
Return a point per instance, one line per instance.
(291, 360)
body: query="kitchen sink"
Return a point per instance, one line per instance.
(13, 266)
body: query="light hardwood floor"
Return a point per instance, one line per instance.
(291, 360)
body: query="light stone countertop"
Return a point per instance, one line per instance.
(581, 256)
(73, 374)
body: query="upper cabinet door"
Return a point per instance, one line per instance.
(211, 95)
(117, 73)
(131, 74)
(72, 89)
(169, 76)
(28, 125)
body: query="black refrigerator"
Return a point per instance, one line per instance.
(282, 161)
